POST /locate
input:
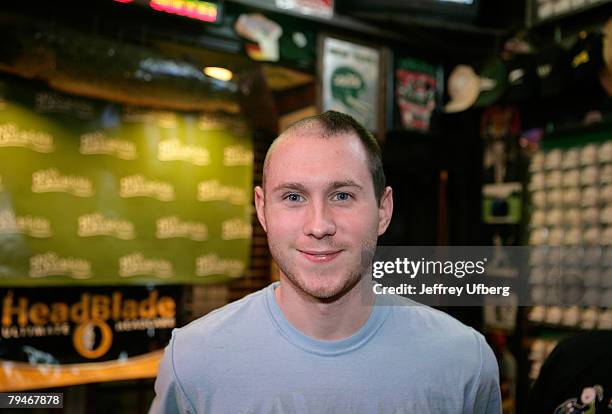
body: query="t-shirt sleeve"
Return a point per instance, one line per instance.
(169, 395)
(487, 394)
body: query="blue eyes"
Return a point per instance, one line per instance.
(343, 196)
(294, 197)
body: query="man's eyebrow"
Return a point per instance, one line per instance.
(344, 183)
(289, 186)
(331, 186)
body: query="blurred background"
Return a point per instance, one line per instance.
(133, 131)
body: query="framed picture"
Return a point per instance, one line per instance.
(416, 90)
(352, 81)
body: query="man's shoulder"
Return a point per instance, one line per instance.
(436, 327)
(451, 348)
(223, 323)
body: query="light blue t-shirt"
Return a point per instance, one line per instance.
(247, 358)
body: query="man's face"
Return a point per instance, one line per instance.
(320, 212)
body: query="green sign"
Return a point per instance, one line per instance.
(350, 80)
(95, 193)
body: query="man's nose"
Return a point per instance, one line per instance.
(319, 220)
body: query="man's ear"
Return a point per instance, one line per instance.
(385, 210)
(259, 206)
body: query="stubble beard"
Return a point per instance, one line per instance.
(325, 293)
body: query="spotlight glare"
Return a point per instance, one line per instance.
(218, 73)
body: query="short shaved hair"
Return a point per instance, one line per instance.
(330, 124)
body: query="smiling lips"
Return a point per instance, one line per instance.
(320, 256)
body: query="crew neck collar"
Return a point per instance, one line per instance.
(322, 347)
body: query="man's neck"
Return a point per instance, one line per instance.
(322, 320)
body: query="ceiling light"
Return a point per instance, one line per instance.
(218, 73)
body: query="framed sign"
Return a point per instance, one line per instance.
(68, 335)
(353, 81)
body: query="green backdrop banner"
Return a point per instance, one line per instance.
(95, 193)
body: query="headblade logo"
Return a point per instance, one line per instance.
(94, 318)
(84, 339)
(346, 83)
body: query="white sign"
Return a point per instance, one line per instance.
(350, 80)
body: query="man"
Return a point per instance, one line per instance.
(319, 341)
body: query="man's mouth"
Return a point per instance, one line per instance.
(321, 256)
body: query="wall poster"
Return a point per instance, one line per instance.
(95, 193)
(62, 336)
(351, 81)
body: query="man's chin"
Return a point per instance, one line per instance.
(328, 292)
(324, 294)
